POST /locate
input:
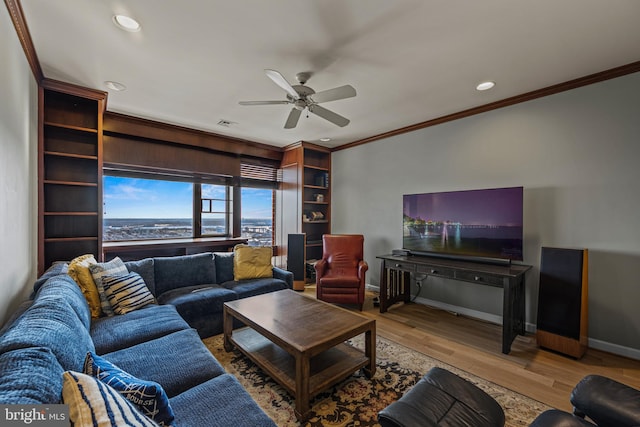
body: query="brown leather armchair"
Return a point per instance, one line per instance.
(340, 273)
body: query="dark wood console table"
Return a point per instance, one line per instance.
(395, 284)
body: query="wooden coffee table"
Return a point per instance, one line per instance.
(299, 342)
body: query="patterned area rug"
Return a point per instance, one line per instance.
(357, 400)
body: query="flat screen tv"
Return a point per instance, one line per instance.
(474, 223)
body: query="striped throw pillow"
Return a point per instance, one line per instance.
(93, 403)
(115, 267)
(126, 293)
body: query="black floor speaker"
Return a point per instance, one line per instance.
(296, 259)
(562, 323)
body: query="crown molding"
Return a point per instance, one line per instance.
(22, 30)
(550, 90)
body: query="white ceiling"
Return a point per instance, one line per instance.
(409, 60)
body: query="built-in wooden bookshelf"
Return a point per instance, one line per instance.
(306, 196)
(69, 172)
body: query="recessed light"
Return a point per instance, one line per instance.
(118, 87)
(485, 85)
(325, 139)
(126, 23)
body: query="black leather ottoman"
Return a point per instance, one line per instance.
(442, 398)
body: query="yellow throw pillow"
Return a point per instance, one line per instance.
(79, 271)
(251, 262)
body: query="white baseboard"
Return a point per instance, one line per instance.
(619, 350)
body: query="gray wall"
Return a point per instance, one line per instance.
(577, 155)
(18, 170)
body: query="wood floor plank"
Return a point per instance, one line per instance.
(475, 347)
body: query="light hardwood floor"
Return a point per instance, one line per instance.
(475, 347)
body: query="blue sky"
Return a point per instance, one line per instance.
(147, 198)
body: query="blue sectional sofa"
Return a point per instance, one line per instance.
(198, 285)
(53, 332)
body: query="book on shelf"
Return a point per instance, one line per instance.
(321, 179)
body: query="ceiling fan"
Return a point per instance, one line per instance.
(302, 97)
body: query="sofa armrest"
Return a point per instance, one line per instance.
(606, 402)
(287, 276)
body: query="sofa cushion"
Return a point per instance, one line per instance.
(201, 306)
(115, 267)
(224, 266)
(117, 332)
(252, 262)
(80, 273)
(249, 288)
(220, 402)
(144, 268)
(30, 375)
(148, 396)
(187, 270)
(193, 301)
(177, 361)
(126, 293)
(54, 321)
(93, 403)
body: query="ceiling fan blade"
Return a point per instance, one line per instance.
(334, 118)
(262, 102)
(282, 82)
(292, 120)
(342, 92)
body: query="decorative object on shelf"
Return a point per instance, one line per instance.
(317, 216)
(319, 197)
(321, 179)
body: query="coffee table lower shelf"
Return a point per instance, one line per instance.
(325, 369)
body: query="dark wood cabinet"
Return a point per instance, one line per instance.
(69, 172)
(306, 196)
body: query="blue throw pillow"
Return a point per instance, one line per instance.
(149, 396)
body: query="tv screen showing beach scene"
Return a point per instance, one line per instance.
(474, 223)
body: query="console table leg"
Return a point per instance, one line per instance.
(383, 288)
(512, 312)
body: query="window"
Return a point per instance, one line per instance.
(141, 208)
(257, 216)
(136, 209)
(215, 210)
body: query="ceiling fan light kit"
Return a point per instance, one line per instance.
(303, 97)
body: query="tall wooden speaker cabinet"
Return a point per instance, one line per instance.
(562, 323)
(296, 259)
(69, 172)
